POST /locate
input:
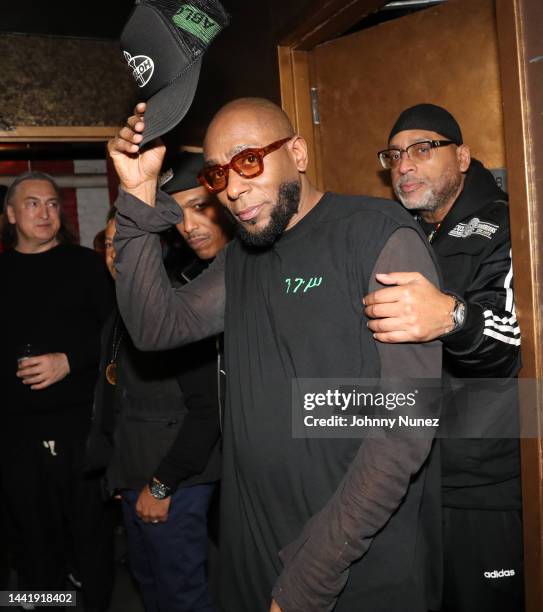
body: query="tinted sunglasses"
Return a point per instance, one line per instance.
(248, 164)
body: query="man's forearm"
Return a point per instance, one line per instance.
(488, 344)
(318, 562)
(193, 445)
(156, 315)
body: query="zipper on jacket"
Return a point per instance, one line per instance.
(219, 371)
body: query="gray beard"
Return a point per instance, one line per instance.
(433, 199)
(288, 201)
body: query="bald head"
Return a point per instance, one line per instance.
(273, 198)
(256, 116)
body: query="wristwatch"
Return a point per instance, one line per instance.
(458, 313)
(158, 489)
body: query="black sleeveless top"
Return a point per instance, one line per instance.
(294, 310)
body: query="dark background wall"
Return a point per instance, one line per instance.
(241, 62)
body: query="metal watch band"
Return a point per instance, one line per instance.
(458, 313)
(158, 489)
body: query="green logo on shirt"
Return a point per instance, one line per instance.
(295, 284)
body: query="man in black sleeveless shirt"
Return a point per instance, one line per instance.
(314, 523)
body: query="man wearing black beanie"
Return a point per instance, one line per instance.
(465, 216)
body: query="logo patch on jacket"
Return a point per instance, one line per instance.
(474, 227)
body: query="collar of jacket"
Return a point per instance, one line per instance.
(479, 190)
(193, 269)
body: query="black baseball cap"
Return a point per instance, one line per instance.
(181, 173)
(164, 42)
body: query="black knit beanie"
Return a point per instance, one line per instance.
(428, 117)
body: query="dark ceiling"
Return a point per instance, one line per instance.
(97, 19)
(105, 18)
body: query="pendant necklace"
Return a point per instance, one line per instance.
(432, 234)
(111, 368)
(425, 227)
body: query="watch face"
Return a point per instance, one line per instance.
(159, 490)
(459, 314)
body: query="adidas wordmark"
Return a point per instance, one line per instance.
(500, 574)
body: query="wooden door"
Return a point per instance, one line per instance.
(446, 55)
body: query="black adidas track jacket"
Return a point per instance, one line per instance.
(473, 250)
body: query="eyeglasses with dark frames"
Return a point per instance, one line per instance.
(249, 163)
(417, 152)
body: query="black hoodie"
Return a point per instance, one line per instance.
(473, 250)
